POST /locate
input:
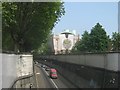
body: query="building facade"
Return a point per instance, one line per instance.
(64, 42)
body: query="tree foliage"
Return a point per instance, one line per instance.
(26, 25)
(83, 44)
(96, 41)
(115, 41)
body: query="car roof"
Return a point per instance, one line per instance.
(54, 70)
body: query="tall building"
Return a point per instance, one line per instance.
(64, 42)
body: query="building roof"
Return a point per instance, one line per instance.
(67, 31)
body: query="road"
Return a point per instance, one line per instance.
(44, 81)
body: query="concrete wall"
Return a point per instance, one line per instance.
(24, 65)
(0, 71)
(95, 60)
(79, 76)
(9, 72)
(87, 70)
(15, 66)
(108, 61)
(112, 61)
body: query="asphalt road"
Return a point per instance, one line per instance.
(44, 81)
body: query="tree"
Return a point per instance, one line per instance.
(83, 44)
(116, 41)
(75, 48)
(26, 25)
(98, 39)
(109, 45)
(47, 47)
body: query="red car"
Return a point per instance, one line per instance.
(53, 73)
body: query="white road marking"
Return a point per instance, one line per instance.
(52, 80)
(36, 79)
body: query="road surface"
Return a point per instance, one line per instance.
(44, 81)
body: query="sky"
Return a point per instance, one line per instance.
(81, 16)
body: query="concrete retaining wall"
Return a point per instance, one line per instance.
(84, 76)
(112, 61)
(15, 66)
(0, 71)
(108, 61)
(87, 70)
(9, 71)
(24, 65)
